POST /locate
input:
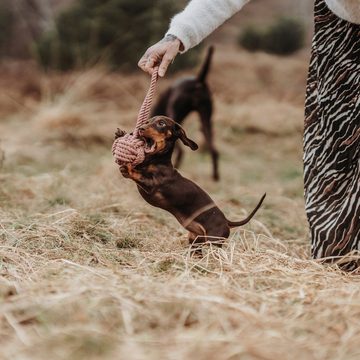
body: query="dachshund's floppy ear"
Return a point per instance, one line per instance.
(180, 132)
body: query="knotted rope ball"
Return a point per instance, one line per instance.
(130, 149)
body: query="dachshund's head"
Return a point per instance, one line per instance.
(160, 134)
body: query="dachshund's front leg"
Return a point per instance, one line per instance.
(124, 171)
(128, 171)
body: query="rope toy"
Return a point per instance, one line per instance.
(130, 149)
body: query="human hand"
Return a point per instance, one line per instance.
(161, 54)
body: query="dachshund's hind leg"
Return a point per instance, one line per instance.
(196, 242)
(218, 235)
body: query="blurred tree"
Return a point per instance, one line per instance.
(283, 37)
(6, 19)
(115, 32)
(21, 22)
(251, 38)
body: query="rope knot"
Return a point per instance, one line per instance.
(128, 149)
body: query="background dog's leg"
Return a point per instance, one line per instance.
(178, 116)
(205, 117)
(179, 152)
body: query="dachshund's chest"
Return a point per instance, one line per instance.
(154, 197)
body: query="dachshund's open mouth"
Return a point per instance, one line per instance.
(150, 144)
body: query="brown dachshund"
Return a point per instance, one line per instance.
(186, 95)
(161, 185)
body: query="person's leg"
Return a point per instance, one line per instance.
(332, 136)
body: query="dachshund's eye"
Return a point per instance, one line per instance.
(162, 123)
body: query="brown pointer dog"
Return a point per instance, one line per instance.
(184, 96)
(161, 185)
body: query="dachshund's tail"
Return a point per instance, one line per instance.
(206, 65)
(245, 221)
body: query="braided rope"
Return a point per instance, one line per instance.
(130, 148)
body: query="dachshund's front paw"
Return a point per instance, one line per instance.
(124, 171)
(119, 133)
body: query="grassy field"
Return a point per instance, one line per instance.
(90, 271)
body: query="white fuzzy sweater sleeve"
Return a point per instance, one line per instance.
(200, 18)
(346, 9)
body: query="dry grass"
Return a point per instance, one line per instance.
(88, 270)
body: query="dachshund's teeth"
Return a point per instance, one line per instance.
(150, 149)
(150, 145)
(153, 147)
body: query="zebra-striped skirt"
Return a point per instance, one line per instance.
(332, 136)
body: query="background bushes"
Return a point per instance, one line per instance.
(115, 32)
(283, 37)
(6, 18)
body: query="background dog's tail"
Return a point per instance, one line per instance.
(243, 222)
(206, 65)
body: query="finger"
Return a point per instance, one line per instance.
(166, 61)
(149, 66)
(144, 68)
(142, 63)
(150, 63)
(169, 58)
